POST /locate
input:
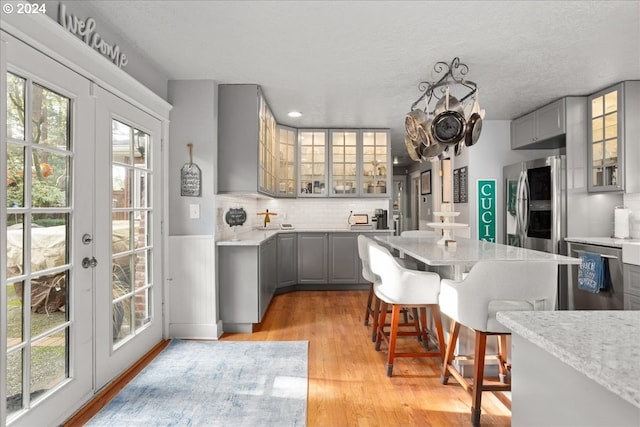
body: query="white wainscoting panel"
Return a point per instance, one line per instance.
(193, 311)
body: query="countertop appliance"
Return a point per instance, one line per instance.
(360, 219)
(535, 209)
(610, 299)
(381, 218)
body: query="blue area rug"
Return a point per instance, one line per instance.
(216, 383)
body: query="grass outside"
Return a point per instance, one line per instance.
(48, 360)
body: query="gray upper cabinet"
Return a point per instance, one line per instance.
(359, 163)
(345, 167)
(287, 170)
(543, 128)
(313, 162)
(247, 141)
(614, 138)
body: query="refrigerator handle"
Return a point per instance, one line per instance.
(519, 206)
(526, 193)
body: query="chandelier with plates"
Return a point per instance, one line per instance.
(447, 115)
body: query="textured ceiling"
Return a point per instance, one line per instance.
(359, 63)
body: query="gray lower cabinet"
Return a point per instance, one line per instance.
(287, 259)
(329, 258)
(268, 280)
(247, 279)
(631, 284)
(313, 258)
(343, 258)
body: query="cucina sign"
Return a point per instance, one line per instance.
(487, 210)
(85, 29)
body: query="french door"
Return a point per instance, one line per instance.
(128, 200)
(48, 127)
(81, 290)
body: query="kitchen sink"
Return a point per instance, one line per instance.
(631, 252)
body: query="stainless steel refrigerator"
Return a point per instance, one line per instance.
(535, 208)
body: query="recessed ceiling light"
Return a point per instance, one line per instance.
(294, 114)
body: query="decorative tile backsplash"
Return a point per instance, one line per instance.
(307, 214)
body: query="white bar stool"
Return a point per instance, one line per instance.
(492, 286)
(403, 288)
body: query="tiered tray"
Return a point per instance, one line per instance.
(447, 226)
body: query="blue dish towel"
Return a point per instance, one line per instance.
(591, 273)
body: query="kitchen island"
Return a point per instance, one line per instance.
(575, 368)
(466, 253)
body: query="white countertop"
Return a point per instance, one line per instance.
(603, 345)
(601, 241)
(467, 251)
(256, 237)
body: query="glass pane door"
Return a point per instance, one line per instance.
(344, 163)
(313, 162)
(375, 162)
(267, 144)
(46, 140)
(604, 139)
(128, 298)
(287, 161)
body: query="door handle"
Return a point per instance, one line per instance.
(89, 262)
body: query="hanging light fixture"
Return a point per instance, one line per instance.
(446, 114)
(395, 160)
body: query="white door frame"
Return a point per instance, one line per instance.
(46, 36)
(111, 360)
(28, 63)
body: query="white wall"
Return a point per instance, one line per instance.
(140, 66)
(194, 119)
(192, 282)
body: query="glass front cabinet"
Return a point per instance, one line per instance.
(375, 174)
(344, 162)
(287, 171)
(267, 147)
(606, 140)
(313, 162)
(614, 138)
(358, 162)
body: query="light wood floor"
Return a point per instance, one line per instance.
(348, 385)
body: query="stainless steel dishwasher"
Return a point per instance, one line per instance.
(611, 299)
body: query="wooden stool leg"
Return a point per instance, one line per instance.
(437, 320)
(502, 356)
(376, 318)
(448, 356)
(393, 335)
(368, 310)
(478, 377)
(381, 320)
(424, 328)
